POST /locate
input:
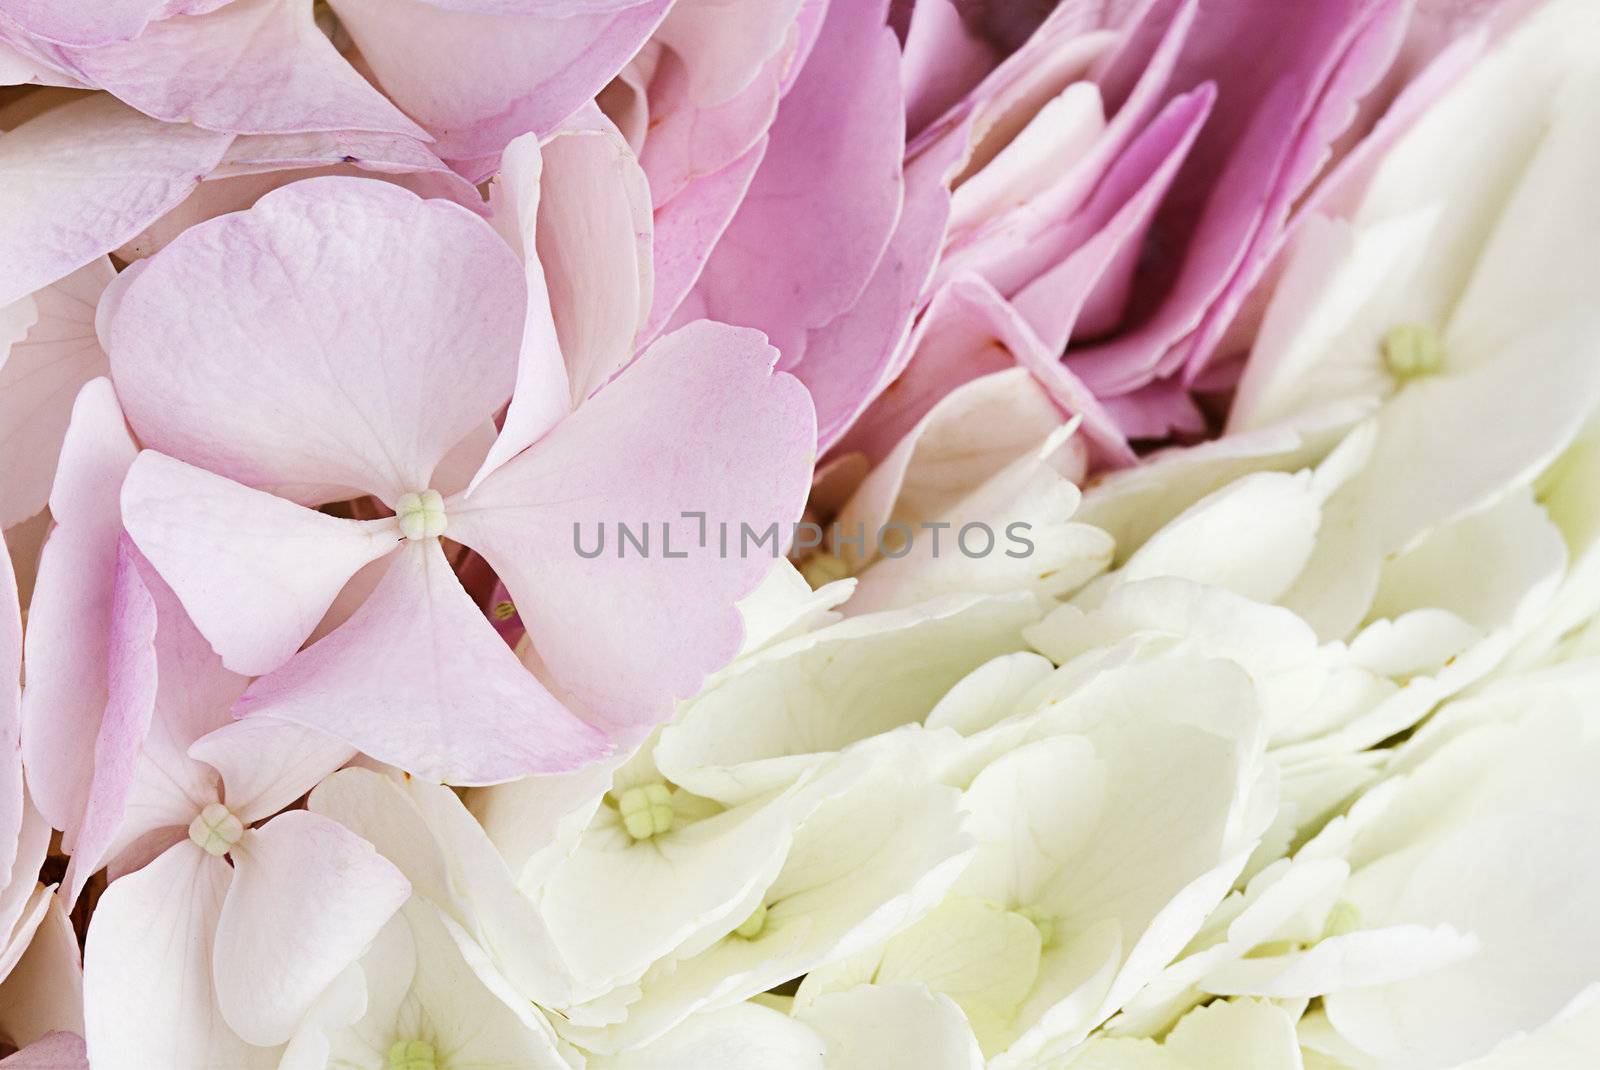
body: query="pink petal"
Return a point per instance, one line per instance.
(689, 226)
(257, 164)
(698, 422)
(147, 970)
(248, 67)
(943, 61)
(11, 795)
(255, 572)
(476, 80)
(83, 178)
(130, 705)
(594, 240)
(70, 616)
(307, 897)
(849, 361)
(713, 87)
(419, 302)
(418, 678)
(1248, 164)
(267, 764)
(54, 353)
(543, 393)
(827, 193)
(193, 696)
(54, 1051)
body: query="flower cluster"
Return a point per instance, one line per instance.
(815, 534)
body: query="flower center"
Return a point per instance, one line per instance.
(1045, 924)
(421, 515)
(646, 810)
(215, 829)
(1412, 350)
(754, 925)
(412, 1055)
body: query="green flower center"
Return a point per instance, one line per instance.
(421, 515)
(215, 829)
(646, 810)
(1412, 350)
(412, 1055)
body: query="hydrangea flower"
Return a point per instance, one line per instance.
(387, 257)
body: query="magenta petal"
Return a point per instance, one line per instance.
(343, 333)
(699, 422)
(419, 679)
(70, 616)
(827, 194)
(249, 67)
(130, 704)
(83, 178)
(308, 895)
(255, 572)
(477, 80)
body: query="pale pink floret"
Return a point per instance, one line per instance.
(403, 337)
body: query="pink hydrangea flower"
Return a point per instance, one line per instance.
(402, 344)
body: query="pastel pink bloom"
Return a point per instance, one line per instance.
(176, 786)
(1118, 196)
(407, 320)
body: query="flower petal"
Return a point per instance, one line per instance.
(351, 390)
(255, 572)
(54, 353)
(249, 67)
(626, 635)
(69, 618)
(147, 970)
(418, 678)
(83, 178)
(827, 193)
(307, 897)
(476, 79)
